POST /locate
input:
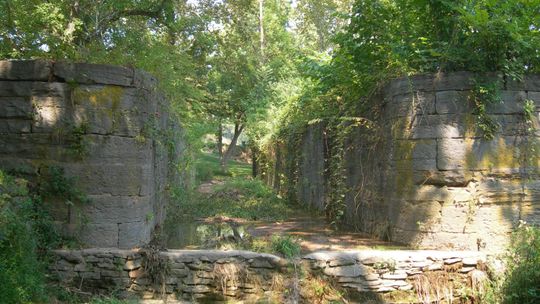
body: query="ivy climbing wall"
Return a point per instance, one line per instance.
(98, 142)
(446, 161)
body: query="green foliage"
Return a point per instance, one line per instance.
(22, 274)
(109, 300)
(52, 183)
(238, 198)
(286, 245)
(77, 143)
(482, 96)
(520, 281)
(207, 167)
(27, 232)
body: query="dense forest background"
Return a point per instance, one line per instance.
(268, 67)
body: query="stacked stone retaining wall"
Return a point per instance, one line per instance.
(210, 276)
(101, 125)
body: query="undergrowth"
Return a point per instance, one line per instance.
(521, 280)
(27, 233)
(22, 273)
(237, 197)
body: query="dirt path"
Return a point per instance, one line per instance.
(313, 232)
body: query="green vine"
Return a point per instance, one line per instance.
(482, 96)
(78, 146)
(530, 149)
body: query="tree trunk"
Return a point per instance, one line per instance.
(261, 27)
(254, 162)
(227, 155)
(220, 141)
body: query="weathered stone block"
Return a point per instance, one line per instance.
(511, 103)
(415, 149)
(345, 271)
(14, 126)
(25, 70)
(410, 84)
(534, 96)
(100, 235)
(53, 120)
(416, 217)
(93, 73)
(532, 83)
(409, 104)
(501, 153)
(118, 209)
(452, 102)
(134, 234)
(117, 149)
(113, 179)
(15, 107)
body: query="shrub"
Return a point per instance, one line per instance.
(22, 277)
(286, 245)
(522, 280)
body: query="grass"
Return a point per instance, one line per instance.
(208, 167)
(237, 197)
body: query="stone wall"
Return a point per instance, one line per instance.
(388, 271)
(184, 274)
(101, 124)
(425, 175)
(211, 276)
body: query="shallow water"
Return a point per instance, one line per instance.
(198, 234)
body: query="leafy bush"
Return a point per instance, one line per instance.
(237, 197)
(286, 245)
(522, 279)
(22, 274)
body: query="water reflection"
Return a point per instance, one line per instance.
(200, 234)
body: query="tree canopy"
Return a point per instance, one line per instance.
(268, 65)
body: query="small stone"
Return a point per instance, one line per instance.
(394, 276)
(132, 264)
(137, 273)
(181, 273)
(414, 271)
(371, 260)
(358, 288)
(80, 267)
(171, 280)
(372, 283)
(394, 283)
(90, 275)
(261, 263)
(466, 269)
(197, 289)
(342, 262)
(110, 273)
(452, 261)
(371, 277)
(470, 261)
(205, 275)
(406, 287)
(385, 289)
(420, 264)
(318, 265)
(344, 271)
(433, 267)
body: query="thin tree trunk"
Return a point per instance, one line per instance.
(227, 155)
(261, 26)
(254, 162)
(220, 140)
